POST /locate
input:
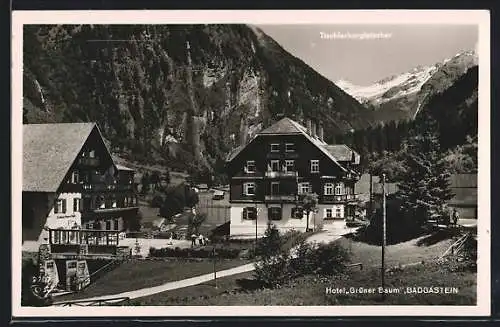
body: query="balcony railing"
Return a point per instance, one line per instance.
(83, 236)
(87, 161)
(280, 198)
(339, 198)
(101, 187)
(279, 174)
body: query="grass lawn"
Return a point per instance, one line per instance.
(137, 274)
(403, 253)
(311, 291)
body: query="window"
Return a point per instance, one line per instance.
(328, 213)
(60, 206)
(275, 165)
(75, 177)
(92, 154)
(275, 147)
(249, 213)
(108, 224)
(275, 188)
(289, 147)
(117, 224)
(304, 188)
(338, 212)
(297, 213)
(339, 188)
(314, 166)
(274, 213)
(328, 189)
(249, 188)
(76, 205)
(250, 167)
(289, 165)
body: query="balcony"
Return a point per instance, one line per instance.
(102, 187)
(281, 174)
(88, 161)
(340, 198)
(280, 198)
(84, 243)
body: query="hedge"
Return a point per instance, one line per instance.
(202, 252)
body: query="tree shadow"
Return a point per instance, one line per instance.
(248, 284)
(438, 236)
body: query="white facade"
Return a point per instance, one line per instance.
(64, 219)
(241, 227)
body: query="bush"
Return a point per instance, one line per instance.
(271, 243)
(273, 271)
(157, 201)
(322, 259)
(30, 270)
(201, 252)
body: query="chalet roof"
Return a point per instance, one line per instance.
(284, 126)
(342, 152)
(288, 126)
(49, 150)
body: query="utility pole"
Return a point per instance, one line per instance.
(384, 230)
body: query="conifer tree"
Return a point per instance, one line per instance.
(425, 188)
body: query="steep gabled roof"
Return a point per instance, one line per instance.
(49, 150)
(283, 126)
(288, 126)
(342, 152)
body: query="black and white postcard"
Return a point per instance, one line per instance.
(195, 163)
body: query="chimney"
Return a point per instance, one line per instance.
(321, 132)
(313, 128)
(308, 125)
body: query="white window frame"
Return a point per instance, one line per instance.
(297, 209)
(304, 185)
(77, 204)
(328, 213)
(275, 208)
(248, 185)
(339, 187)
(75, 177)
(251, 162)
(285, 169)
(58, 206)
(273, 145)
(289, 144)
(338, 212)
(276, 162)
(328, 189)
(315, 165)
(245, 213)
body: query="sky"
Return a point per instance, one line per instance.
(364, 54)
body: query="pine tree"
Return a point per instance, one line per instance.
(425, 186)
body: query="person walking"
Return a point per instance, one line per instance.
(455, 216)
(200, 239)
(193, 240)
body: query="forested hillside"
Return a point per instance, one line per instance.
(176, 95)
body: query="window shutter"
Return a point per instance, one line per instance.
(64, 206)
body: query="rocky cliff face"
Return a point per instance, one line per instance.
(183, 95)
(403, 96)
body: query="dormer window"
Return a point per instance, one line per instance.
(289, 147)
(250, 166)
(275, 147)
